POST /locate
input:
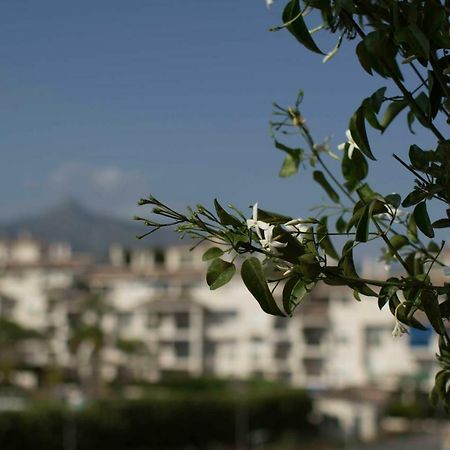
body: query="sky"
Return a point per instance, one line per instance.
(107, 101)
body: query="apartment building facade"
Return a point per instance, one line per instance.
(156, 303)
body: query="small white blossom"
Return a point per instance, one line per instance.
(255, 224)
(325, 147)
(269, 3)
(399, 329)
(296, 226)
(350, 143)
(269, 242)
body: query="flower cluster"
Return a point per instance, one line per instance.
(264, 231)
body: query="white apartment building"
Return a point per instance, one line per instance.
(159, 298)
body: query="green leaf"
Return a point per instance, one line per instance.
(392, 111)
(219, 273)
(289, 167)
(355, 169)
(341, 225)
(255, 281)
(226, 218)
(430, 305)
(423, 220)
(439, 392)
(324, 239)
(358, 131)
(441, 223)
(212, 253)
(415, 40)
(419, 158)
(319, 177)
(411, 228)
(397, 242)
(297, 27)
(347, 265)
(365, 58)
(362, 229)
(293, 292)
(393, 200)
(413, 198)
(387, 292)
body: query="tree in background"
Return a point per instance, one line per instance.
(406, 43)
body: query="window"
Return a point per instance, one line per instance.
(280, 323)
(221, 317)
(181, 349)
(282, 350)
(160, 257)
(314, 336)
(313, 366)
(124, 319)
(374, 336)
(182, 320)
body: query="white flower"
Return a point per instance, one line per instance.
(351, 144)
(269, 242)
(269, 3)
(295, 226)
(255, 224)
(325, 148)
(399, 329)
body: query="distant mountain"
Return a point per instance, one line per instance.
(85, 230)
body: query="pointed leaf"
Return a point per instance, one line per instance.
(319, 177)
(297, 27)
(212, 253)
(293, 292)
(226, 218)
(219, 273)
(357, 128)
(423, 220)
(255, 281)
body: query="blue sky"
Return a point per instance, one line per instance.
(109, 100)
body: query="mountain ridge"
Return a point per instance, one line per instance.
(85, 230)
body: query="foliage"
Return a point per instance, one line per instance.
(406, 43)
(161, 422)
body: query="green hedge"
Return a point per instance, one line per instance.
(166, 422)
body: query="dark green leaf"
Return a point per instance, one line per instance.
(297, 27)
(387, 292)
(439, 391)
(430, 305)
(441, 223)
(219, 273)
(423, 220)
(355, 169)
(393, 200)
(341, 225)
(392, 111)
(255, 281)
(357, 128)
(347, 265)
(226, 218)
(293, 292)
(365, 58)
(362, 229)
(319, 177)
(212, 253)
(413, 198)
